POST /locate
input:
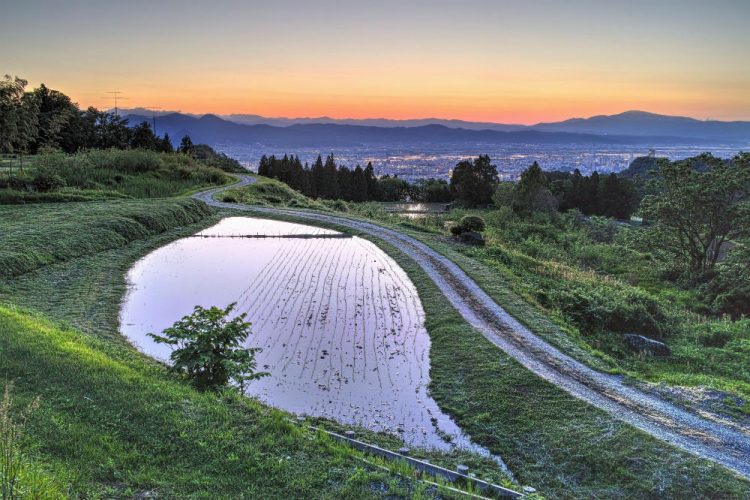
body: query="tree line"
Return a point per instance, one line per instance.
(46, 118)
(32, 121)
(330, 181)
(473, 183)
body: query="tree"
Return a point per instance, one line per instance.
(531, 193)
(503, 195)
(165, 144)
(144, 138)
(208, 348)
(473, 182)
(18, 116)
(186, 145)
(110, 130)
(695, 213)
(55, 114)
(616, 197)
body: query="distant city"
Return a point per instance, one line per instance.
(436, 160)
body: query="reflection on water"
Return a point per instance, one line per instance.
(340, 324)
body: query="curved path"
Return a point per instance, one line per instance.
(722, 442)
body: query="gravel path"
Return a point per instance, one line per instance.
(722, 442)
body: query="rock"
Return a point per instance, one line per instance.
(639, 343)
(471, 238)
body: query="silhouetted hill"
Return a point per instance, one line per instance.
(211, 129)
(641, 123)
(630, 123)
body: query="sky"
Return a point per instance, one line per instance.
(503, 61)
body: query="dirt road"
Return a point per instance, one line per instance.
(722, 442)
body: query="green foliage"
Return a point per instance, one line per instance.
(208, 348)
(208, 156)
(114, 425)
(132, 173)
(474, 181)
(695, 213)
(503, 195)
(267, 191)
(729, 290)
(531, 193)
(611, 196)
(468, 223)
(472, 223)
(18, 116)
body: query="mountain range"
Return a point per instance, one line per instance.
(631, 127)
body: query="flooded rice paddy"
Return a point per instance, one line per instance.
(340, 323)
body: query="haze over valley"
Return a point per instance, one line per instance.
(426, 148)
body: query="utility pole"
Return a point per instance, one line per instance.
(115, 97)
(153, 110)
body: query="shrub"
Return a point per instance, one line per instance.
(714, 338)
(208, 348)
(46, 180)
(468, 223)
(472, 223)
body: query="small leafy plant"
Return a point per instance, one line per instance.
(209, 348)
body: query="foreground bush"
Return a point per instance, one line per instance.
(468, 223)
(209, 348)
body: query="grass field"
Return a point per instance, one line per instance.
(548, 438)
(105, 174)
(36, 235)
(581, 295)
(112, 423)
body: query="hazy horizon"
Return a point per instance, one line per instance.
(127, 109)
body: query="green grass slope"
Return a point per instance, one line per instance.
(36, 235)
(113, 424)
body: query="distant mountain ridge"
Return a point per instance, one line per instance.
(212, 129)
(630, 123)
(642, 123)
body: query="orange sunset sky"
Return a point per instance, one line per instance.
(503, 61)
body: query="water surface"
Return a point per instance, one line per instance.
(340, 323)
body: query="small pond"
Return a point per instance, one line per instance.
(340, 323)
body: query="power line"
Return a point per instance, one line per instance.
(116, 97)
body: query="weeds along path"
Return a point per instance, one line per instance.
(721, 442)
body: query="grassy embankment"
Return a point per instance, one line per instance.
(578, 286)
(270, 192)
(113, 423)
(106, 174)
(548, 438)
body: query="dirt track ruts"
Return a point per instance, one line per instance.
(723, 443)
